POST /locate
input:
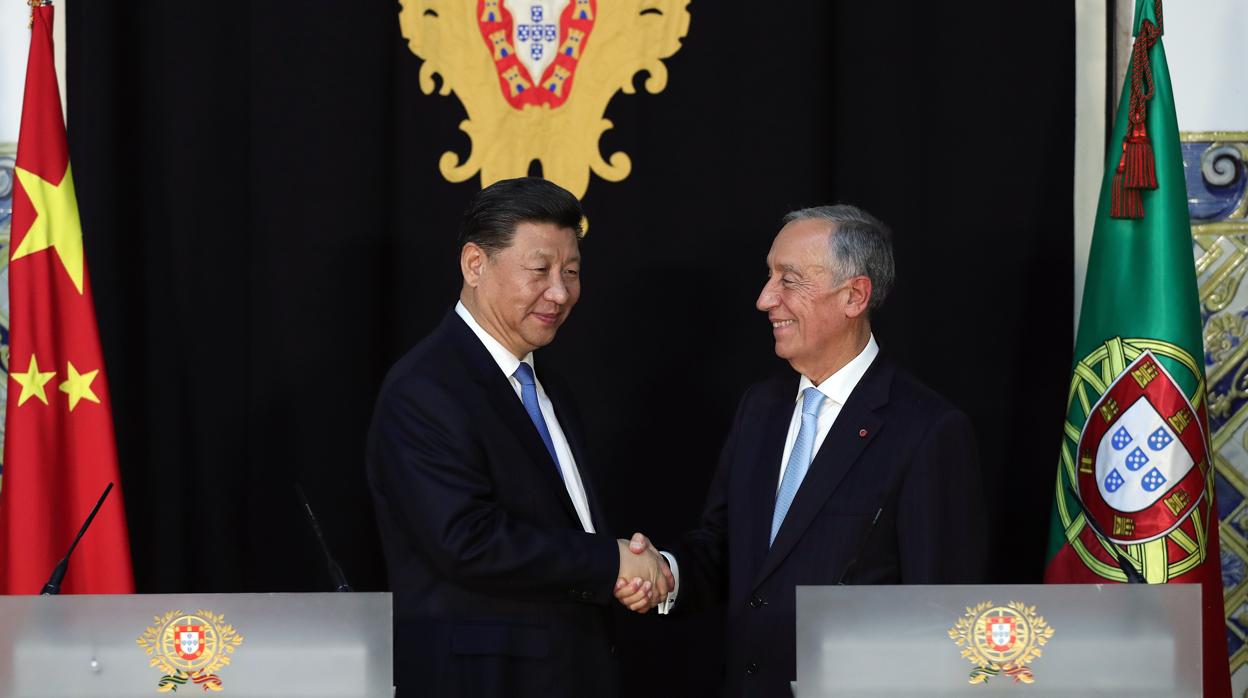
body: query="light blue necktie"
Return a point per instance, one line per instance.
(799, 458)
(528, 395)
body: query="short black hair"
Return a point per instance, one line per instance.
(492, 216)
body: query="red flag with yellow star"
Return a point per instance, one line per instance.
(59, 452)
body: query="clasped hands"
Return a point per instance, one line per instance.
(645, 579)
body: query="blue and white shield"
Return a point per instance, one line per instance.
(536, 32)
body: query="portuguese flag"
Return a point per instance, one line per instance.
(1135, 487)
(59, 452)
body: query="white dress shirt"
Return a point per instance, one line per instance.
(508, 363)
(836, 388)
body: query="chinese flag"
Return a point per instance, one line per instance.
(59, 452)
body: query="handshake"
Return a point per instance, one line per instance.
(645, 579)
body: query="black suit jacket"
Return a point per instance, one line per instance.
(498, 590)
(896, 448)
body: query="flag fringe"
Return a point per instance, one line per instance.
(1141, 167)
(1137, 169)
(1124, 202)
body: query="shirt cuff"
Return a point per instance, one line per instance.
(667, 605)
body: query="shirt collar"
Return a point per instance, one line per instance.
(507, 361)
(839, 385)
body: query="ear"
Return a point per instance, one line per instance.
(471, 261)
(859, 296)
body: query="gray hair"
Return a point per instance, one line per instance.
(860, 245)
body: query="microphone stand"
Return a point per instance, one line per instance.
(335, 572)
(53, 587)
(1133, 575)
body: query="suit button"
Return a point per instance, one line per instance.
(751, 668)
(757, 602)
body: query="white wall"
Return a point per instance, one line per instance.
(1207, 48)
(1091, 57)
(14, 45)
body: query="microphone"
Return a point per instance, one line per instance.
(862, 545)
(1133, 575)
(335, 572)
(53, 587)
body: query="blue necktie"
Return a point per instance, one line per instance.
(528, 395)
(799, 458)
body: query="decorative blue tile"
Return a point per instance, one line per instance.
(1233, 642)
(1239, 522)
(1233, 570)
(1215, 197)
(1227, 495)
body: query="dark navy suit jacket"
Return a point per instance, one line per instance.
(896, 448)
(498, 590)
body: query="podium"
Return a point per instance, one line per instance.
(240, 645)
(1028, 640)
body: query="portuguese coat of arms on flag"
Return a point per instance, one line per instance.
(1134, 500)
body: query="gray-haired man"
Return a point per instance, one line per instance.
(846, 471)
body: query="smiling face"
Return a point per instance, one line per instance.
(522, 293)
(818, 321)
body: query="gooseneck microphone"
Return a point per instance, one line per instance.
(335, 572)
(53, 587)
(862, 545)
(1133, 575)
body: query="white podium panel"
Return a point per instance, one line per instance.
(1038, 641)
(246, 645)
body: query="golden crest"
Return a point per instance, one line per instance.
(189, 648)
(1001, 640)
(535, 77)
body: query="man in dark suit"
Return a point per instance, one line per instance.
(490, 521)
(846, 472)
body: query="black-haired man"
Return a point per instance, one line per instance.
(490, 523)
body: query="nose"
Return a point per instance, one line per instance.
(767, 297)
(557, 292)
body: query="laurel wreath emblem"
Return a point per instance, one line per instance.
(178, 672)
(1032, 633)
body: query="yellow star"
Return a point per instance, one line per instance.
(56, 222)
(32, 382)
(78, 387)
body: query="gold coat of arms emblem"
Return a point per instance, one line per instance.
(1001, 640)
(535, 78)
(189, 648)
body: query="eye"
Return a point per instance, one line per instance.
(787, 281)
(572, 272)
(539, 270)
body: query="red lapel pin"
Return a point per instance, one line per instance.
(862, 433)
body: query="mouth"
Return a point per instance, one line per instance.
(549, 319)
(781, 324)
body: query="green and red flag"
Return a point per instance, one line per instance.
(59, 452)
(1135, 487)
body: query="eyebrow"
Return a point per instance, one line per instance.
(546, 256)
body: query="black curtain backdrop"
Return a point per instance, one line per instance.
(267, 232)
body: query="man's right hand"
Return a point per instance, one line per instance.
(644, 579)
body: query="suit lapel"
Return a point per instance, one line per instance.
(765, 475)
(573, 435)
(837, 455)
(509, 409)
